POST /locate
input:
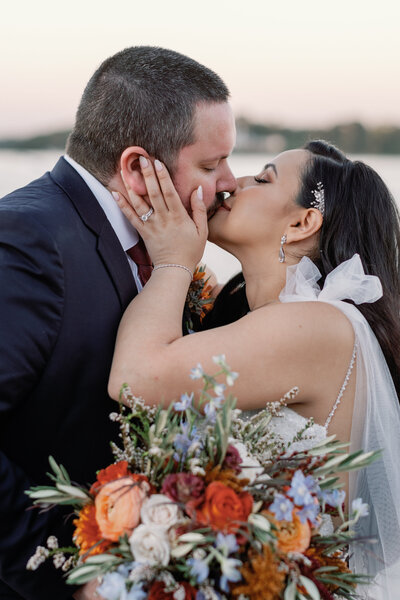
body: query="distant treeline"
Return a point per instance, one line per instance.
(352, 138)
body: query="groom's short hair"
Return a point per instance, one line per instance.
(142, 96)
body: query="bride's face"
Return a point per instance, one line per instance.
(262, 206)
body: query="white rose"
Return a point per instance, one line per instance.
(149, 544)
(250, 466)
(160, 510)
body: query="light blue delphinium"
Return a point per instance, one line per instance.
(226, 543)
(309, 512)
(334, 498)
(360, 508)
(199, 569)
(184, 440)
(219, 389)
(197, 372)
(211, 409)
(205, 595)
(230, 572)
(282, 508)
(299, 490)
(185, 402)
(113, 588)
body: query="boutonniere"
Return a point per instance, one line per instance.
(198, 300)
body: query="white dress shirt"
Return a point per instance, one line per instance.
(126, 234)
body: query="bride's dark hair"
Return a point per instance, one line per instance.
(360, 217)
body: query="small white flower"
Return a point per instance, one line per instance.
(196, 445)
(52, 542)
(231, 376)
(250, 466)
(220, 360)
(150, 544)
(155, 451)
(160, 510)
(38, 558)
(219, 389)
(199, 554)
(179, 594)
(198, 471)
(197, 372)
(141, 572)
(360, 508)
(58, 560)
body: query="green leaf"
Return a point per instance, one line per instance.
(290, 591)
(311, 588)
(83, 574)
(73, 491)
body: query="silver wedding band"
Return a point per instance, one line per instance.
(145, 217)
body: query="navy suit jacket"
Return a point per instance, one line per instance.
(64, 284)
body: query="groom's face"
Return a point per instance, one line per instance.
(205, 162)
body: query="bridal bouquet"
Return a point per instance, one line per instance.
(203, 505)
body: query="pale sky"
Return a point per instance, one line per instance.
(291, 62)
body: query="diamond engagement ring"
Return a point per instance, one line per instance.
(147, 216)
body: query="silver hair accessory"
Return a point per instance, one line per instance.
(319, 195)
(282, 256)
(145, 217)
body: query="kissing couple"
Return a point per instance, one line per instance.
(96, 260)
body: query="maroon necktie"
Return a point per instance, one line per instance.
(140, 256)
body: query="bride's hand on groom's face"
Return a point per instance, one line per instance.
(170, 234)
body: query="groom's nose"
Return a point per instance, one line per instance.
(227, 183)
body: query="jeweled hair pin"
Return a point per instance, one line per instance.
(319, 196)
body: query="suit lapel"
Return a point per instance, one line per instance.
(91, 213)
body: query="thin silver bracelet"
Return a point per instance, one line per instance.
(174, 265)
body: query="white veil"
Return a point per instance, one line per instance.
(375, 425)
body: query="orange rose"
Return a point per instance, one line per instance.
(293, 536)
(118, 505)
(223, 508)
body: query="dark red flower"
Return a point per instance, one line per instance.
(232, 459)
(183, 487)
(157, 591)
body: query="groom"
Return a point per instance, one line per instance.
(66, 278)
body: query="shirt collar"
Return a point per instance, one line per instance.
(127, 235)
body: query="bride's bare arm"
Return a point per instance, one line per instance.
(273, 349)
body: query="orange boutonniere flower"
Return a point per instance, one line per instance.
(199, 298)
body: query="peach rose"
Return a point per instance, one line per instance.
(293, 536)
(223, 508)
(118, 505)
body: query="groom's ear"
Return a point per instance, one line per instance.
(130, 167)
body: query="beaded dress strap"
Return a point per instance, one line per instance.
(343, 388)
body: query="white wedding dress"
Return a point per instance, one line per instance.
(376, 422)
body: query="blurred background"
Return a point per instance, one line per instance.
(296, 70)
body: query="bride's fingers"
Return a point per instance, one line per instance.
(136, 202)
(199, 213)
(129, 212)
(152, 185)
(171, 196)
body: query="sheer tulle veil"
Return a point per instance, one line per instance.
(375, 425)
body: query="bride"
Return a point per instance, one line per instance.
(318, 239)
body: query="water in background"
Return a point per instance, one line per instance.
(18, 168)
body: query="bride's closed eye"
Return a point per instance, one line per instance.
(260, 180)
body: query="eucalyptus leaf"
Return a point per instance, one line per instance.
(290, 591)
(311, 588)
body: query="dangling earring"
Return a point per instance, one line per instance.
(282, 256)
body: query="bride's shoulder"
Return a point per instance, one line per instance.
(304, 320)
